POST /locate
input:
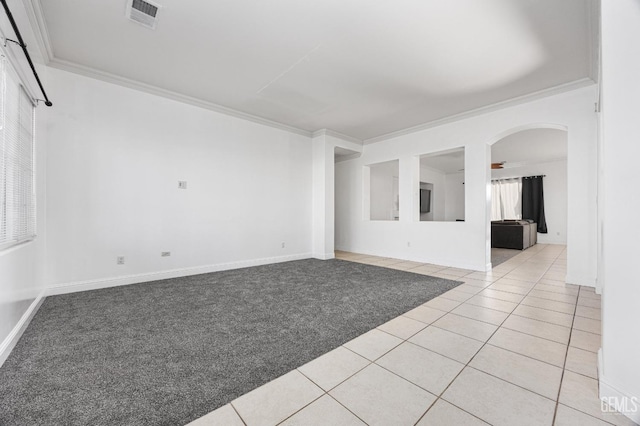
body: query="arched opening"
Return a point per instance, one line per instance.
(528, 194)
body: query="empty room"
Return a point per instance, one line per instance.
(319, 213)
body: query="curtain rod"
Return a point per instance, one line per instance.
(518, 177)
(20, 42)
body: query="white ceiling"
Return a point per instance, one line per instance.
(363, 68)
(530, 147)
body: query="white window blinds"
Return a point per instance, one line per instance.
(17, 189)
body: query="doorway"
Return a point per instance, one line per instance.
(538, 154)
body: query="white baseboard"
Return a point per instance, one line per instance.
(551, 242)
(481, 267)
(73, 287)
(610, 393)
(581, 280)
(606, 391)
(324, 256)
(12, 339)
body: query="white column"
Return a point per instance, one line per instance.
(619, 371)
(323, 197)
(487, 212)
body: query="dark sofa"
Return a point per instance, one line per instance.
(514, 234)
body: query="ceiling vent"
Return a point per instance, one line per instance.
(143, 12)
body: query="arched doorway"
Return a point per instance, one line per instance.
(532, 156)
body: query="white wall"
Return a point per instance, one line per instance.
(384, 190)
(323, 189)
(555, 196)
(22, 267)
(436, 178)
(466, 244)
(454, 198)
(323, 158)
(620, 366)
(115, 156)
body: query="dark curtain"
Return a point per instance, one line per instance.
(533, 202)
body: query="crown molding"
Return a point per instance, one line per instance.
(329, 132)
(39, 26)
(38, 23)
(158, 91)
(519, 100)
(593, 46)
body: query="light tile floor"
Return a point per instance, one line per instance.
(515, 346)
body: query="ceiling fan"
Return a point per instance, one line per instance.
(499, 165)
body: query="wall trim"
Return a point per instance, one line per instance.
(12, 339)
(581, 280)
(72, 67)
(38, 23)
(76, 286)
(606, 391)
(324, 256)
(329, 132)
(552, 243)
(40, 30)
(519, 100)
(436, 261)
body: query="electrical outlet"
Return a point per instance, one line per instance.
(282, 245)
(182, 184)
(120, 260)
(165, 254)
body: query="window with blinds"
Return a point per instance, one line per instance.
(17, 189)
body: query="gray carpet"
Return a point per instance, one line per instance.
(168, 352)
(501, 255)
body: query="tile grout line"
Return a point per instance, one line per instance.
(467, 365)
(432, 324)
(526, 356)
(564, 369)
(499, 326)
(510, 329)
(393, 348)
(564, 366)
(238, 414)
(303, 407)
(486, 342)
(518, 315)
(426, 325)
(369, 364)
(327, 392)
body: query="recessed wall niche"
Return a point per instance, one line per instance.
(384, 190)
(441, 186)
